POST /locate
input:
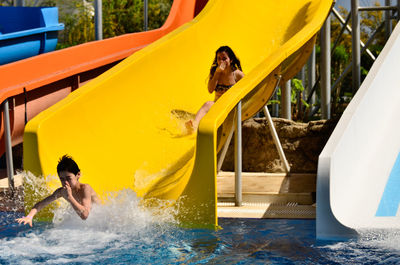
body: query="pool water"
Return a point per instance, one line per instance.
(123, 233)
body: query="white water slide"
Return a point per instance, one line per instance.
(358, 184)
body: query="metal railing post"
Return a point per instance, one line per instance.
(98, 19)
(388, 24)
(398, 10)
(8, 146)
(146, 14)
(238, 155)
(275, 106)
(286, 104)
(376, 8)
(326, 69)
(311, 78)
(19, 3)
(355, 25)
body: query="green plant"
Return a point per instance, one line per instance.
(119, 17)
(77, 17)
(296, 98)
(127, 16)
(6, 3)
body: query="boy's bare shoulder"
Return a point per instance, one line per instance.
(87, 187)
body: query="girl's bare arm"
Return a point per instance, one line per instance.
(212, 83)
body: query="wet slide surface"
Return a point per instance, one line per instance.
(126, 128)
(359, 169)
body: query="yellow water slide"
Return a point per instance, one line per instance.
(126, 128)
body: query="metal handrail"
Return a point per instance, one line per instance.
(8, 147)
(238, 155)
(377, 8)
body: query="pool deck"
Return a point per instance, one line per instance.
(264, 211)
(9, 201)
(264, 195)
(268, 195)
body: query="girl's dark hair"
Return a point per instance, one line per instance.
(235, 62)
(66, 163)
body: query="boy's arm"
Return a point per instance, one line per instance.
(39, 206)
(83, 209)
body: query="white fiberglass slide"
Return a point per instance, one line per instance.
(358, 183)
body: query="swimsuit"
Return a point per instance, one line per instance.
(222, 88)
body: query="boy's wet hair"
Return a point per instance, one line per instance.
(66, 163)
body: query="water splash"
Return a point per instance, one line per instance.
(373, 245)
(122, 223)
(242, 241)
(122, 212)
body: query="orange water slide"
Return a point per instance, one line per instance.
(36, 83)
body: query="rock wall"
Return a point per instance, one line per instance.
(301, 142)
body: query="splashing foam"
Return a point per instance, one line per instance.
(381, 238)
(370, 244)
(124, 221)
(123, 212)
(120, 210)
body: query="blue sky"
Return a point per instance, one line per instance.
(347, 3)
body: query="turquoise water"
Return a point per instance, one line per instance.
(123, 233)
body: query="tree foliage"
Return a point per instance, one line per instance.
(341, 57)
(77, 16)
(119, 17)
(126, 16)
(370, 21)
(6, 3)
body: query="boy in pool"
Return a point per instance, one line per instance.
(79, 195)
